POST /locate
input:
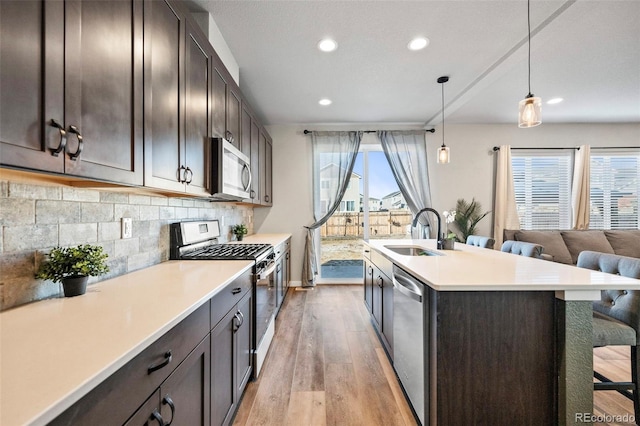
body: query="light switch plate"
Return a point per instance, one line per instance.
(127, 227)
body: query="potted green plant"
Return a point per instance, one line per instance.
(468, 214)
(239, 231)
(72, 266)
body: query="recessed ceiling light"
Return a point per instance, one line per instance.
(327, 45)
(554, 101)
(418, 43)
(324, 102)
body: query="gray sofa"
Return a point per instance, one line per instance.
(565, 246)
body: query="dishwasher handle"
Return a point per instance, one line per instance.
(407, 286)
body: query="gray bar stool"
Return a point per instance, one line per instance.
(480, 241)
(522, 248)
(616, 319)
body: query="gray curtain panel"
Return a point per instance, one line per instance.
(334, 154)
(406, 152)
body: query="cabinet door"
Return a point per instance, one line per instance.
(376, 300)
(233, 116)
(103, 89)
(148, 414)
(278, 279)
(222, 370)
(286, 272)
(368, 285)
(255, 162)
(32, 84)
(243, 345)
(219, 106)
(196, 139)
(245, 132)
(185, 395)
(265, 169)
(387, 313)
(163, 60)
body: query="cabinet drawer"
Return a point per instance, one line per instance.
(231, 294)
(122, 393)
(282, 248)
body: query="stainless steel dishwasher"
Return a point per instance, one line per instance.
(409, 296)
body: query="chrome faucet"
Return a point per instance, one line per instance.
(439, 237)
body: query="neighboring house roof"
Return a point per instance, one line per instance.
(393, 194)
(322, 169)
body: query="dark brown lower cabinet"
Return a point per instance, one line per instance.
(177, 364)
(184, 398)
(368, 285)
(378, 298)
(231, 360)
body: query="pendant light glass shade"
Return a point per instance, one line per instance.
(443, 154)
(530, 108)
(530, 112)
(443, 151)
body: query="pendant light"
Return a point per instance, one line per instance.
(530, 107)
(443, 151)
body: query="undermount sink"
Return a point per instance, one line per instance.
(412, 251)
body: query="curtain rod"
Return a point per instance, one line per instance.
(306, 132)
(497, 148)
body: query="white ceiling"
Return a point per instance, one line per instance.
(585, 51)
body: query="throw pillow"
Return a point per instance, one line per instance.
(625, 242)
(578, 241)
(551, 241)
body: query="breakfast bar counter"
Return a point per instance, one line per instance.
(507, 338)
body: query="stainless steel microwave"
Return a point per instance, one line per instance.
(231, 172)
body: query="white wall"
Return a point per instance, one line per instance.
(470, 173)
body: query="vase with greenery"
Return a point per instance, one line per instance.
(239, 231)
(72, 266)
(468, 214)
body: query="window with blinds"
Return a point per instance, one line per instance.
(615, 186)
(542, 182)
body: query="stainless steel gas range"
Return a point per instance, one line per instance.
(198, 240)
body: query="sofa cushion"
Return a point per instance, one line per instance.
(578, 241)
(552, 242)
(625, 242)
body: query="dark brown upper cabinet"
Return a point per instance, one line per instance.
(71, 88)
(177, 68)
(255, 162)
(233, 116)
(219, 101)
(245, 132)
(266, 169)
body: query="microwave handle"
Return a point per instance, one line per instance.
(246, 166)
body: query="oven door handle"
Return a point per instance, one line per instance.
(268, 271)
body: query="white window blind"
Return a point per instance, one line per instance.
(542, 181)
(615, 186)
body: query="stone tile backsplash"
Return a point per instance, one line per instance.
(35, 218)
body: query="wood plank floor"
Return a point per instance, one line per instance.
(326, 367)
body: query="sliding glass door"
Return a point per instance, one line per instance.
(372, 207)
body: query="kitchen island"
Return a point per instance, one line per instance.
(507, 339)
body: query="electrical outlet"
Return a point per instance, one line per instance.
(127, 227)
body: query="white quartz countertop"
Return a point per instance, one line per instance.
(55, 351)
(469, 268)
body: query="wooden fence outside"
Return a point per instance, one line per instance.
(351, 224)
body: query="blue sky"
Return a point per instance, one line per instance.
(381, 181)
